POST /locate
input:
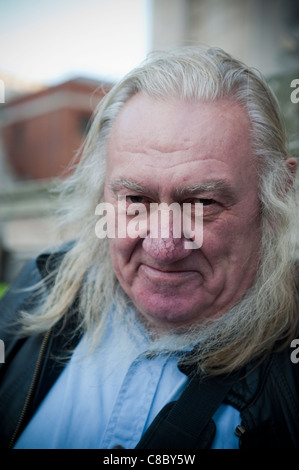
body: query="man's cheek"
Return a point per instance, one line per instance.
(121, 249)
(216, 239)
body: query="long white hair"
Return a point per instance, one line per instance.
(268, 311)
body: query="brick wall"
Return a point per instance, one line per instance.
(41, 132)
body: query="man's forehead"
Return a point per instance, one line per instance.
(172, 124)
(176, 142)
(140, 104)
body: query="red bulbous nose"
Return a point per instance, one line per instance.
(167, 250)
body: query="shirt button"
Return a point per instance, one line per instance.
(118, 447)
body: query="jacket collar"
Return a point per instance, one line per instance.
(48, 261)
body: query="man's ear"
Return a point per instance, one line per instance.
(292, 168)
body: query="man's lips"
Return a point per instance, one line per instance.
(166, 275)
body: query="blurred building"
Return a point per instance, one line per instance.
(262, 33)
(40, 133)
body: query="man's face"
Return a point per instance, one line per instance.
(168, 148)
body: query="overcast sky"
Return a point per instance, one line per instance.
(52, 40)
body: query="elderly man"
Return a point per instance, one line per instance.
(165, 341)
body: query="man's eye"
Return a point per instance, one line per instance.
(206, 202)
(203, 201)
(135, 199)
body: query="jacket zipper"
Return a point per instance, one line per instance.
(31, 388)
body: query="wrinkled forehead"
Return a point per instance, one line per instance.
(159, 129)
(156, 112)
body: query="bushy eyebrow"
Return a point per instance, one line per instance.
(218, 187)
(123, 183)
(120, 183)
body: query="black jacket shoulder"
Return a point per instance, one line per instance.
(24, 353)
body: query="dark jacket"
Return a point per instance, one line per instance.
(267, 396)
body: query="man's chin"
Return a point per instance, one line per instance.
(169, 316)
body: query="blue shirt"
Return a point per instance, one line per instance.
(111, 397)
